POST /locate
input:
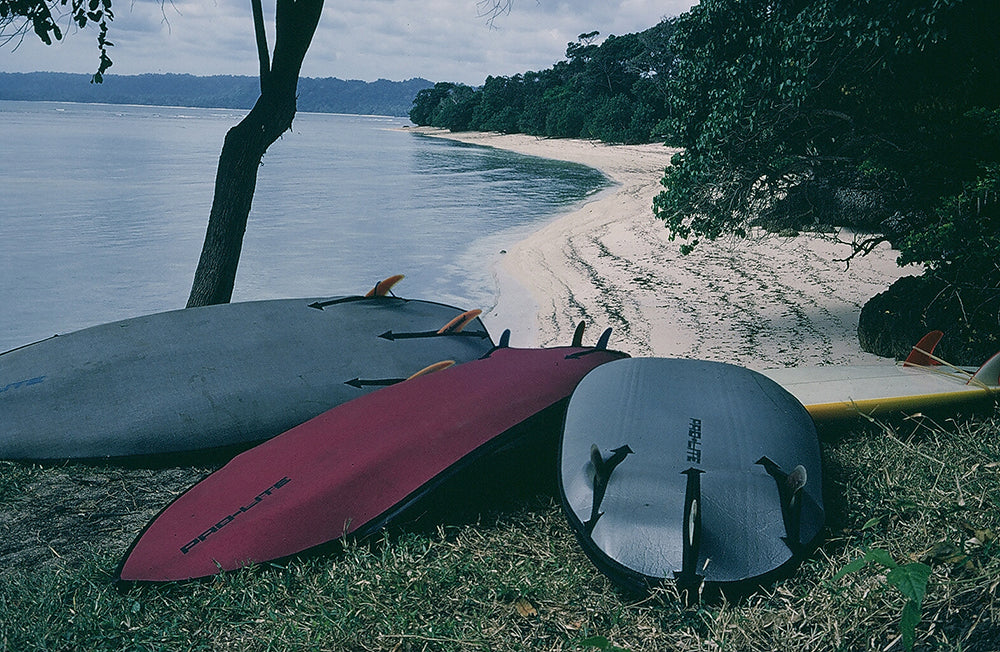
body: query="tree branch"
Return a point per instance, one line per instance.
(493, 9)
(295, 24)
(261, 35)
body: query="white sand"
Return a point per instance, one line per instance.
(764, 302)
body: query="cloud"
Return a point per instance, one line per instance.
(361, 39)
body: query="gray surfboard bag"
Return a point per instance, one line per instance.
(217, 376)
(699, 473)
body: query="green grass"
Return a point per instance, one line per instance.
(517, 580)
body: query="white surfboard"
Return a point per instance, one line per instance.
(921, 383)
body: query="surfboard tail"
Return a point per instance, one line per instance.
(690, 507)
(922, 355)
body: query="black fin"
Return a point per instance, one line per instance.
(790, 496)
(602, 474)
(504, 340)
(688, 580)
(602, 343)
(578, 334)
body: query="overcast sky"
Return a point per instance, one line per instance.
(440, 40)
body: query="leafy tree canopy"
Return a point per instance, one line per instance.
(883, 116)
(41, 16)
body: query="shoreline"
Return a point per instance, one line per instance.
(767, 301)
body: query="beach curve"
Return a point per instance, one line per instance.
(763, 302)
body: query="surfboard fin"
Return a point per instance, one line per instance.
(922, 354)
(688, 580)
(385, 382)
(431, 368)
(453, 328)
(602, 343)
(381, 289)
(988, 374)
(458, 323)
(578, 334)
(601, 472)
(384, 286)
(504, 343)
(790, 487)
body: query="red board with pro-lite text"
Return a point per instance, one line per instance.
(351, 469)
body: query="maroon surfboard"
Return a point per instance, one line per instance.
(352, 469)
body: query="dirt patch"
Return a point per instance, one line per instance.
(58, 514)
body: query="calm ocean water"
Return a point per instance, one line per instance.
(103, 210)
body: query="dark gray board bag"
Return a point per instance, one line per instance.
(217, 376)
(701, 473)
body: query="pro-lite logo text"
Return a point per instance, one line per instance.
(21, 383)
(229, 519)
(694, 441)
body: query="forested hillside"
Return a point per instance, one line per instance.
(324, 95)
(614, 92)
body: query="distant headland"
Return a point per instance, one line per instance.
(322, 95)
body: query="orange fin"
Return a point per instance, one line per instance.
(384, 286)
(922, 354)
(429, 369)
(458, 323)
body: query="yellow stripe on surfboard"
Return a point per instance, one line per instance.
(842, 410)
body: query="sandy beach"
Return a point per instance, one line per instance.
(763, 302)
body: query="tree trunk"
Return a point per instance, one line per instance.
(244, 147)
(235, 182)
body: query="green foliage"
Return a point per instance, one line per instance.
(881, 116)
(427, 102)
(963, 233)
(911, 580)
(614, 92)
(500, 104)
(15, 15)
